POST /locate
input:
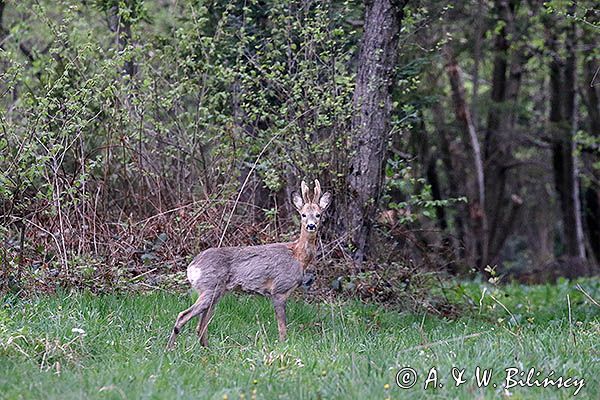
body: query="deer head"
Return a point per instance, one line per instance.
(311, 208)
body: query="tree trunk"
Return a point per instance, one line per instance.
(592, 82)
(592, 219)
(501, 206)
(371, 122)
(3, 31)
(122, 28)
(563, 124)
(453, 167)
(476, 197)
(427, 160)
(591, 210)
(477, 44)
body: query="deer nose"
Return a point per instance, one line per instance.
(311, 227)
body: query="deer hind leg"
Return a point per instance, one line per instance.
(202, 327)
(279, 305)
(199, 307)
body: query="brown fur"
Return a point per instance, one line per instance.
(304, 249)
(272, 270)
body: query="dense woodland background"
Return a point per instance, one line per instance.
(459, 137)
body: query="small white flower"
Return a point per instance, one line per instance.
(78, 330)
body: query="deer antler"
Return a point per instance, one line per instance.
(305, 190)
(317, 192)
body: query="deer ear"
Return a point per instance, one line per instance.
(304, 188)
(317, 191)
(325, 200)
(297, 201)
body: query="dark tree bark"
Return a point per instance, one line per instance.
(122, 28)
(2, 30)
(436, 192)
(371, 122)
(427, 160)
(563, 125)
(477, 44)
(591, 84)
(453, 165)
(501, 207)
(592, 219)
(591, 87)
(475, 190)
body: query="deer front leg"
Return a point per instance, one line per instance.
(279, 304)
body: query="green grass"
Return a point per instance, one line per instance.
(341, 350)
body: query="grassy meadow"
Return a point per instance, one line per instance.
(76, 345)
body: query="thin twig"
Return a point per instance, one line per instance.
(571, 320)
(590, 298)
(504, 307)
(252, 170)
(237, 199)
(142, 274)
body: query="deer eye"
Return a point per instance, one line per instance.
(303, 215)
(318, 215)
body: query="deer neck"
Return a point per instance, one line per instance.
(305, 248)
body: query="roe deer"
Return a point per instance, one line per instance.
(272, 270)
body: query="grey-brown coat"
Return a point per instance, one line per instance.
(272, 270)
